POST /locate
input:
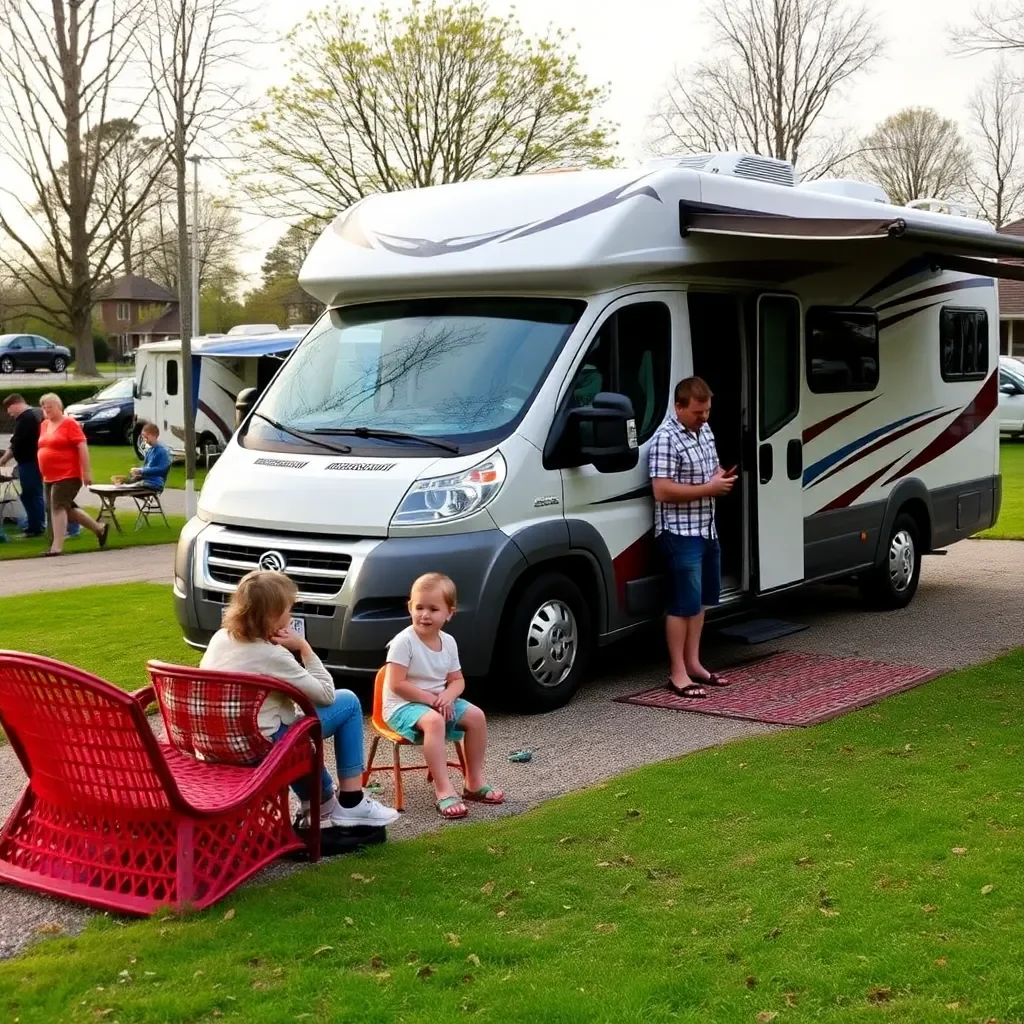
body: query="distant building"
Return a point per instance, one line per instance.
(135, 310)
(1011, 304)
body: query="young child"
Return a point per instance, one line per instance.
(422, 696)
(257, 638)
(157, 463)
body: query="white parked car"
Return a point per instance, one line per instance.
(1011, 396)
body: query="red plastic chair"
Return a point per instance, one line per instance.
(113, 817)
(380, 728)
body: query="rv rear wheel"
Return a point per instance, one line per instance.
(546, 643)
(894, 583)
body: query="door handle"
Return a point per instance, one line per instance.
(794, 459)
(765, 463)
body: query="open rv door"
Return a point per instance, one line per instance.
(780, 496)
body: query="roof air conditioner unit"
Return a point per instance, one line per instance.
(738, 165)
(848, 189)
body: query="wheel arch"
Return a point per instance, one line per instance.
(910, 497)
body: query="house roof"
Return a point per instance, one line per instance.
(168, 325)
(132, 288)
(1011, 293)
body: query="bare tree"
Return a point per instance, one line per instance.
(62, 74)
(916, 154)
(775, 66)
(219, 243)
(444, 93)
(196, 45)
(996, 26)
(996, 181)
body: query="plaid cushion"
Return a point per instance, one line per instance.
(217, 720)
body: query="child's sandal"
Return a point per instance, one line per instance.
(484, 795)
(449, 807)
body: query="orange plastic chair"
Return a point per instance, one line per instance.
(382, 731)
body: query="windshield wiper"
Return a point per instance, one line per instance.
(391, 435)
(341, 449)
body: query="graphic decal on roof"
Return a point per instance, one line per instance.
(350, 226)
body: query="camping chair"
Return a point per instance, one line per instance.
(382, 731)
(113, 817)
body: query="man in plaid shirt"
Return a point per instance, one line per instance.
(686, 478)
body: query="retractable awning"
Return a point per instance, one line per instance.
(251, 347)
(951, 248)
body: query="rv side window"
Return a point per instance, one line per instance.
(963, 344)
(842, 350)
(631, 356)
(172, 376)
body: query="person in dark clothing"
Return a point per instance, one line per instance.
(23, 450)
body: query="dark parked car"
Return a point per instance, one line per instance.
(29, 352)
(108, 415)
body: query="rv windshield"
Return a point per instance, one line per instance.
(464, 370)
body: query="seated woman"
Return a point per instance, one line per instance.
(256, 638)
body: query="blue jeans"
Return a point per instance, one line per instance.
(694, 573)
(344, 721)
(32, 497)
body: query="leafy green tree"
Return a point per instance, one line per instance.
(441, 93)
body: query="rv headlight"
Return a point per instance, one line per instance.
(443, 498)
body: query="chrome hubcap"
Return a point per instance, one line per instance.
(901, 561)
(551, 643)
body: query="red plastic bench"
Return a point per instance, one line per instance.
(114, 817)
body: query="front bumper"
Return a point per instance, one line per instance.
(352, 592)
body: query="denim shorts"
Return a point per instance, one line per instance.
(694, 573)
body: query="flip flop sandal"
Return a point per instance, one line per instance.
(714, 680)
(695, 691)
(446, 807)
(51, 554)
(484, 795)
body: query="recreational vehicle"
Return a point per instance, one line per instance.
(222, 366)
(480, 395)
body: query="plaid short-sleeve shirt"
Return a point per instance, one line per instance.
(680, 455)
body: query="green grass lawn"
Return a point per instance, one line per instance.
(156, 533)
(111, 459)
(111, 631)
(867, 869)
(1011, 515)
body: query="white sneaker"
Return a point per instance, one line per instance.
(367, 812)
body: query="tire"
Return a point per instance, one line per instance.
(59, 364)
(128, 432)
(894, 584)
(547, 642)
(137, 442)
(6, 365)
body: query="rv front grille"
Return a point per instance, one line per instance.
(304, 608)
(315, 573)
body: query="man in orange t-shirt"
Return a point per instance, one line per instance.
(64, 464)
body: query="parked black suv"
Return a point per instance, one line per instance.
(29, 352)
(107, 415)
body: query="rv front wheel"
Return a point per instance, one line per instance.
(894, 583)
(546, 643)
(139, 442)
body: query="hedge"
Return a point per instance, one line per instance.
(68, 393)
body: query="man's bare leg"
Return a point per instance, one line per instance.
(691, 654)
(676, 631)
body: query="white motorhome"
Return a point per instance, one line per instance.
(480, 395)
(222, 366)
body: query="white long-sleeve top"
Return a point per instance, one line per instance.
(260, 657)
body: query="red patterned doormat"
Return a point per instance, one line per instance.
(792, 688)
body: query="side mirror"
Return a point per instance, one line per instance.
(602, 435)
(1009, 389)
(244, 404)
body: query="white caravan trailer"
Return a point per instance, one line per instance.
(480, 396)
(222, 366)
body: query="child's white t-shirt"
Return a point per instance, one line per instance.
(427, 669)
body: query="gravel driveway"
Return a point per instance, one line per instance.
(970, 599)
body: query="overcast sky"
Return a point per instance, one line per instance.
(632, 45)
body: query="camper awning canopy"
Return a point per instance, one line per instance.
(969, 252)
(251, 347)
